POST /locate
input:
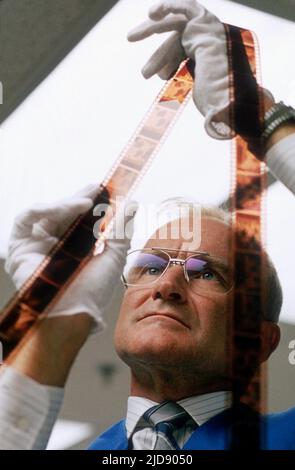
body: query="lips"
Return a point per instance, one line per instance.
(165, 314)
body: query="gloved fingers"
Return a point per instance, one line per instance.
(150, 27)
(175, 59)
(188, 8)
(22, 268)
(44, 229)
(54, 226)
(57, 213)
(29, 257)
(169, 52)
(89, 191)
(23, 223)
(70, 211)
(169, 69)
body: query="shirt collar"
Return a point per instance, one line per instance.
(200, 407)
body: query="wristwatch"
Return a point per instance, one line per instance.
(275, 117)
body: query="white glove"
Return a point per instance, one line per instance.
(199, 35)
(37, 230)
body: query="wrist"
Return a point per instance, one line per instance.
(279, 122)
(285, 129)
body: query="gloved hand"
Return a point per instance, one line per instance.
(37, 230)
(199, 35)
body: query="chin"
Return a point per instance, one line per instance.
(153, 351)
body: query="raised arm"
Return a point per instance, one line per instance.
(200, 35)
(34, 374)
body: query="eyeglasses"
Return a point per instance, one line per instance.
(204, 273)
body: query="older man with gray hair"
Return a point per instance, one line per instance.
(172, 329)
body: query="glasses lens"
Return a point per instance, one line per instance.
(208, 275)
(143, 267)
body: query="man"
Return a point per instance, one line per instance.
(173, 334)
(187, 362)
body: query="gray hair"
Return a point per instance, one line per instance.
(273, 288)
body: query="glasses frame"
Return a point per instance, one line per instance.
(172, 261)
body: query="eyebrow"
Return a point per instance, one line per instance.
(218, 262)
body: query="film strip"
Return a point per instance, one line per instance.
(77, 245)
(247, 114)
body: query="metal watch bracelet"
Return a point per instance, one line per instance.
(275, 117)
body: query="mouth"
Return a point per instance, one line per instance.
(166, 315)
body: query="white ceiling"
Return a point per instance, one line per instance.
(70, 130)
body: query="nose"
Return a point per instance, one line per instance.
(171, 286)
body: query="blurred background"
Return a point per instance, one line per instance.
(73, 95)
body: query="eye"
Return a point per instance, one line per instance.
(209, 275)
(152, 270)
(205, 274)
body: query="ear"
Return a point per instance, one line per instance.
(270, 338)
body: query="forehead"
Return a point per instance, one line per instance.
(213, 236)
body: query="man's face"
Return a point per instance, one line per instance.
(167, 324)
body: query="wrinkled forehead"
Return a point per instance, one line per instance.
(210, 234)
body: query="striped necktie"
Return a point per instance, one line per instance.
(165, 419)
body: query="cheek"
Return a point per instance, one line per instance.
(213, 316)
(132, 300)
(125, 334)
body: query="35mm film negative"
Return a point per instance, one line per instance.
(247, 113)
(76, 246)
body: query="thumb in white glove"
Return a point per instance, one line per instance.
(37, 230)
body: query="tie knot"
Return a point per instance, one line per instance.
(167, 412)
